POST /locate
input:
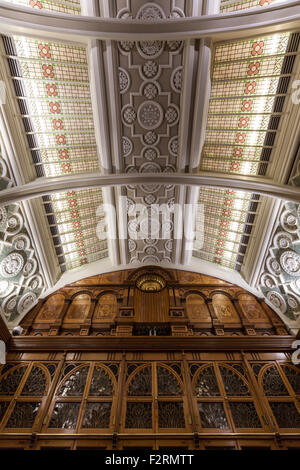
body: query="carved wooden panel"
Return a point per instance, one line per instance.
(52, 308)
(78, 309)
(224, 309)
(197, 309)
(106, 308)
(252, 309)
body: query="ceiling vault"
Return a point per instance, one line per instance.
(167, 103)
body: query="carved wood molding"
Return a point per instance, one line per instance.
(162, 343)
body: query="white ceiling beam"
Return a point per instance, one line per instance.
(253, 184)
(15, 19)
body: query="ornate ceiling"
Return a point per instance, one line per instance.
(85, 101)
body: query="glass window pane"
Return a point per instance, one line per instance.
(167, 383)
(97, 415)
(171, 415)
(206, 385)
(75, 383)
(35, 384)
(141, 384)
(286, 415)
(139, 415)
(244, 415)
(64, 416)
(212, 415)
(23, 415)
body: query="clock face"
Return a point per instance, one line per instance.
(151, 283)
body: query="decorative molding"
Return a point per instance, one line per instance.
(21, 279)
(43, 186)
(15, 19)
(152, 343)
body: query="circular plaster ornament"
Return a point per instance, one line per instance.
(30, 267)
(290, 262)
(14, 225)
(150, 49)
(173, 146)
(150, 153)
(150, 138)
(126, 146)
(292, 301)
(26, 302)
(128, 115)
(21, 242)
(150, 12)
(176, 80)
(150, 91)
(12, 265)
(283, 240)
(150, 69)
(172, 115)
(277, 300)
(124, 80)
(150, 115)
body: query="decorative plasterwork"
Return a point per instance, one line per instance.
(280, 278)
(21, 279)
(150, 85)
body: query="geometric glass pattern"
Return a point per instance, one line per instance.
(51, 83)
(139, 415)
(101, 384)
(228, 221)
(97, 415)
(141, 384)
(273, 384)
(73, 222)
(71, 6)
(35, 384)
(286, 414)
(249, 83)
(244, 415)
(75, 384)
(229, 5)
(23, 415)
(167, 384)
(213, 415)
(64, 416)
(206, 385)
(233, 384)
(170, 415)
(10, 383)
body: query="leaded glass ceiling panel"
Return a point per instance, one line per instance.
(63, 6)
(235, 5)
(244, 109)
(73, 219)
(51, 82)
(228, 221)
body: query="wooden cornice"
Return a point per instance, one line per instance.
(4, 332)
(159, 343)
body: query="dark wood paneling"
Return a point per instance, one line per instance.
(145, 343)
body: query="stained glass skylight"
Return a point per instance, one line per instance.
(63, 6)
(234, 5)
(249, 83)
(228, 220)
(73, 220)
(249, 79)
(51, 83)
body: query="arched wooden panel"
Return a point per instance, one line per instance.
(197, 309)
(106, 308)
(78, 309)
(52, 309)
(224, 309)
(151, 306)
(252, 309)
